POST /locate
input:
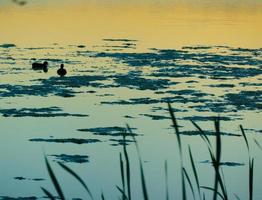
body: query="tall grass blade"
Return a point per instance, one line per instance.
(77, 177)
(48, 194)
(175, 125)
(212, 189)
(166, 181)
(237, 197)
(54, 180)
(251, 177)
(194, 171)
(245, 137)
(124, 197)
(102, 196)
(189, 182)
(216, 160)
(257, 143)
(202, 133)
(143, 181)
(127, 167)
(122, 173)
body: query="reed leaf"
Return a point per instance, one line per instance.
(166, 181)
(145, 194)
(128, 179)
(122, 173)
(189, 182)
(175, 125)
(237, 197)
(212, 189)
(143, 181)
(54, 180)
(202, 133)
(257, 143)
(48, 194)
(251, 177)
(245, 137)
(124, 197)
(102, 196)
(77, 177)
(194, 171)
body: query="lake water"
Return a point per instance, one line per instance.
(124, 62)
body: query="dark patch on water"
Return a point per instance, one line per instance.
(195, 93)
(54, 85)
(109, 131)
(133, 101)
(71, 158)
(223, 85)
(197, 47)
(81, 46)
(245, 100)
(38, 112)
(7, 45)
(105, 95)
(18, 198)
(156, 117)
(210, 133)
(147, 100)
(135, 82)
(228, 164)
(20, 178)
(212, 65)
(74, 81)
(206, 118)
(119, 40)
(120, 142)
(121, 47)
(157, 108)
(129, 117)
(250, 84)
(34, 90)
(192, 81)
(66, 140)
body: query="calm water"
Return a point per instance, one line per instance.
(124, 63)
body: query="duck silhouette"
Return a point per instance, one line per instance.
(40, 66)
(61, 71)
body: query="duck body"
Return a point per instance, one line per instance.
(40, 66)
(61, 71)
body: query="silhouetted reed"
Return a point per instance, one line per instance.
(219, 188)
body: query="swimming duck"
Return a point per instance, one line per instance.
(40, 66)
(61, 71)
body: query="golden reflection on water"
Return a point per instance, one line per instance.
(156, 25)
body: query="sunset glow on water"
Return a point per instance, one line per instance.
(125, 61)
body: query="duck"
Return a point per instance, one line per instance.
(61, 71)
(40, 66)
